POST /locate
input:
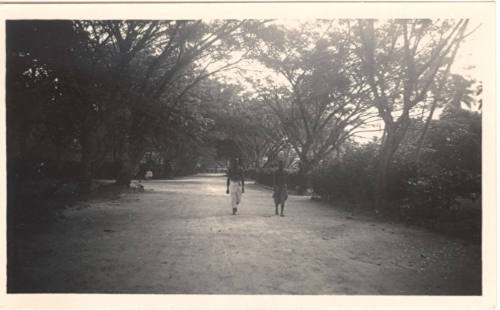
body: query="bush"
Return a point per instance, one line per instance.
(351, 178)
(449, 168)
(108, 170)
(451, 163)
(38, 169)
(439, 192)
(265, 177)
(251, 174)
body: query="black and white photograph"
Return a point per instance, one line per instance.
(313, 156)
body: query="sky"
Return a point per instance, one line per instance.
(469, 57)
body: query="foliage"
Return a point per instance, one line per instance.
(110, 90)
(440, 187)
(451, 165)
(324, 99)
(350, 178)
(265, 177)
(403, 60)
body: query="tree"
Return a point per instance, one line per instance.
(401, 60)
(453, 92)
(117, 83)
(455, 147)
(324, 100)
(255, 130)
(241, 125)
(44, 106)
(182, 54)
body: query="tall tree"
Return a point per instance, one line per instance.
(401, 60)
(324, 100)
(182, 54)
(47, 69)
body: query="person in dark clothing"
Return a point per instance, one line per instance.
(235, 184)
(280, 194)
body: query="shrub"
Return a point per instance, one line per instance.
(265, 177)
(351, 178)
(451, 163)
(40, 169)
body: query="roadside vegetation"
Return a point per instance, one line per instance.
(366, 114)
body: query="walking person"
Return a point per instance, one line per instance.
(235, 183)
(280, 194)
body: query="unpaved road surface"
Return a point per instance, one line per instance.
(179, 237)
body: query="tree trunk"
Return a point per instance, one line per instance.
(381, 178)
(393, 137)
(421, 140)
(130, 160)
(124, 176)
(305, 181)
(257, 159)
(257, 163)
(438, 93)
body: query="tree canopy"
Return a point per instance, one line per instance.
(183, 95)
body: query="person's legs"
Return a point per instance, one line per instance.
(276, 204)
(235, 190)
(282, 208)
(232, 191)
(238, 196)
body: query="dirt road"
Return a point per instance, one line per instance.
(180, 237)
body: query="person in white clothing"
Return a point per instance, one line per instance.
(235, 184)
